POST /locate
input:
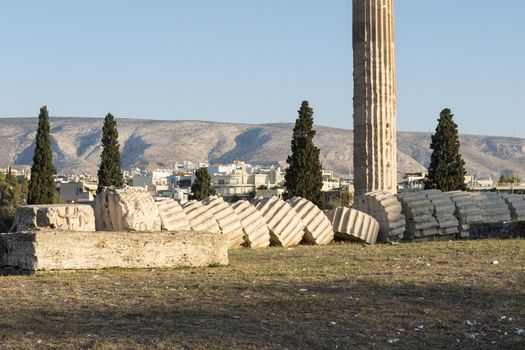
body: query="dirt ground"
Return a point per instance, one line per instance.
(342, 296)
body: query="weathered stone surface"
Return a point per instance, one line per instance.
(418, 211)
(467, 211)
(127, 209)
(200, 218)
(172, 216)
(228, 221)
(374, 96)
(257, 234)
(386, 209)
(69, 217)
(516, 203)
(286, 228)
(318, 229)
(493, 207)
(352, 224)
(444, 212)
(63, 250)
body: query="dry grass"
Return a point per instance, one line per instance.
(431, 295)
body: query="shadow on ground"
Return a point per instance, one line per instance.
(345, 313)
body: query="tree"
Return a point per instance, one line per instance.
(12, 195)
(42, 184)
(447, 167)
(303, 176)
(202, 187)
(109, 173)
(510, 179)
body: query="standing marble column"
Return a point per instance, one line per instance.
(375, 166)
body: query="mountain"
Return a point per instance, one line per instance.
(153, 143)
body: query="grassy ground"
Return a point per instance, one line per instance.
(430, 295)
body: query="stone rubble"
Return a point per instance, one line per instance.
(286, 228)
(126, 209)
(419, 215)
(66, 217)
(318, 228)
(228, 221)
(172, 215)
(386, 209)
(352, 224)
(257, 234)
(200, 218)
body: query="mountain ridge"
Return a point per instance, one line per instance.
(160, 143)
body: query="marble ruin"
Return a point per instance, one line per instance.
(200, 218)
(375, 149)
(318, 229)
(386, 209)
(286, 228)
(172, 216)
(127, 209)
(58, 250)
(58, 217)
(352, 224)
(228, 221)
(257, 234)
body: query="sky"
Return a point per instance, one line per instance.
(254, 61)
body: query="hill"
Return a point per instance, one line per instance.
(154, 143)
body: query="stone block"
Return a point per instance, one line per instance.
(286, 227)
(257, 234)
(126, 209)
(228, 221)
(493, 207)
(68, 217)
(200, 218)
(419, 215)
(172, 216)
(386, 209)
(352, 224)
(64, 250)
(516, 204)
(318, 228)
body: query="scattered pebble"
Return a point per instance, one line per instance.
(419, 328)
(302, 290)
(333, 323)
(519, 331)
(471, 335)
(503, 317)
(468, 322)
(236, 317)
(393, 341)
(427, 264)
(495, 262)
(290, 248)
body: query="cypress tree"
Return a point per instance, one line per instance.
(303, 177)
(202, 187)
(109, 173)
(447, 167)
(42, 184)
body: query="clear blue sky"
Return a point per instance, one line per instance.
(256, 60)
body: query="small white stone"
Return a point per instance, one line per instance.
(519, 331)
(393, 341)
(333, 323)
(495, 262)
(302, 290)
